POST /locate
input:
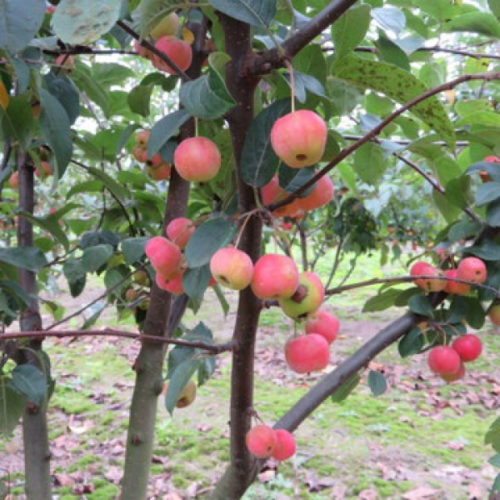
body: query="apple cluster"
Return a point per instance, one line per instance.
(469, 269)
(265, 442)
(166, 256)
(448, 361)
(157, 168)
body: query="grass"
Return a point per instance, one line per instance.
(344, 444)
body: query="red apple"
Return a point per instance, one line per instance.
(323, 323)
(164, 255)
(299, 138)
(285, 445)
(232, 268)
(14, 180)
(178, 51)
(140, 154)
(444, 359)
(160, 173)
(261, 441)
(306, 299)
(46, 169)
(275, 276)
(142, 138)
(172, 285)
(179, 230)
(472, 269)
(454, 286)
(197, 159)
(468, 347)
(307, 353)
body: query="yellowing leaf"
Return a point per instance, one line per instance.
(4, 96)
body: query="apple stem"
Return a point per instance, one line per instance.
(288, 64)
(243, 225)
(196, 127)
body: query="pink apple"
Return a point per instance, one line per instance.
(285, 445)
(428, 284)
(452, 377)
(261, 441)
(232, 268)
(472, 269)
(197, 159)
(173, 284)
(164, 255)
(160, 173)
(180, 230)
(323, 323)
(177, 50)
(275, 276)
(468, 347)
(454, 286)
(299, 138)
(444, 359)
(307, 353)
(322, 194)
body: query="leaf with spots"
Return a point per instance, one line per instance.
(399, 85)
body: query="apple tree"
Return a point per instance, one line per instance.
(167, 146)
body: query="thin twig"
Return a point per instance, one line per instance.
(108, 332)
(405, 279)
(403, 142)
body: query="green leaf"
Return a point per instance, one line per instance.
(95, 257)
(30, 258)
(495, 487)
(463, 229)
(495, 460)
(75, 274)
(202, 98)
(49, 224)
(195, 281)
(346, 388)
(207, 239)
(11, 407)
(19, 22)
(493, 214)
(178, 381)
(476, 22)
(81, 22)
(495, 7)
(56, 129)
(391, 52)
(133, 249)
(16, 291)
(488, 250)
(493, 435)
(369, 163)
(258, 160)
(291, 179)
(222, 299)
(377, 383)
(64, 90)
(381, 301)
(17, 121)
(398, 85)
(389, 18)
(29, 381)
(420, 304)
(164, 129)
(139, 98)
(258, 13)
(487, 192)
(119, 191)
(469, 308)
(411, 343)
(350, 28)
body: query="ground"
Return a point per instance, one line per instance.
(422, 439)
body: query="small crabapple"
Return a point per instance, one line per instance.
(454, 286)
(285, 445)
(307, 353)
(164, 255)
(443, 359)
(472, 269)
(180, 230)
(197, 159)
(468, 347)
(232, 268)
(323, 323)
(261, 441)
(275, 276)
(306, 299)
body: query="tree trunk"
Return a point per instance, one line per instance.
(35, 435)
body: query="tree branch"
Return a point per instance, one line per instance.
(109, 332)
(275, 58)
(404, 142)
(376, 130)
